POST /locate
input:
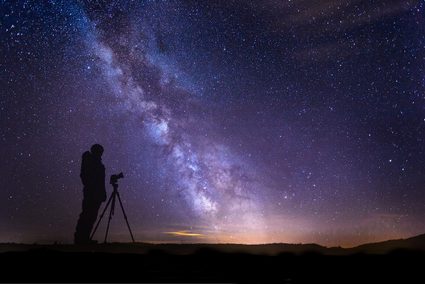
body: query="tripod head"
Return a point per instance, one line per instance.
(114, 179)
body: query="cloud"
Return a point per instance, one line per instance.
(328, 30)
(335, 14)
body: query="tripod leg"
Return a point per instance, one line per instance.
(101, 216)
(110, 216)
(125, 216)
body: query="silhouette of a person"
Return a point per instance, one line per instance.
(94, 192)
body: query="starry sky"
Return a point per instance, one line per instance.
(233, 121)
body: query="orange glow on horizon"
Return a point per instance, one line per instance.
(185, 234)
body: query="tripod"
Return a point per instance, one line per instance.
(111, 201)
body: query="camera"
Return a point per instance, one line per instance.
(114, 178)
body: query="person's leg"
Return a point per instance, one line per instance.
(92, 216)
(81, 234)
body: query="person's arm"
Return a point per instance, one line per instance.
(103, 185)
(85, 169)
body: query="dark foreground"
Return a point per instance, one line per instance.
(206, 265)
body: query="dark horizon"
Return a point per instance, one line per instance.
(233, 121)
(112, 241)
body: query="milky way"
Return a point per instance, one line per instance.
(233, 121)
(212, 182)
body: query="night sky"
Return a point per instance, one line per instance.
(233, 121)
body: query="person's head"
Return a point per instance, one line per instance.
(96, 150)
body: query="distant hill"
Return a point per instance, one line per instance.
(416, 243)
